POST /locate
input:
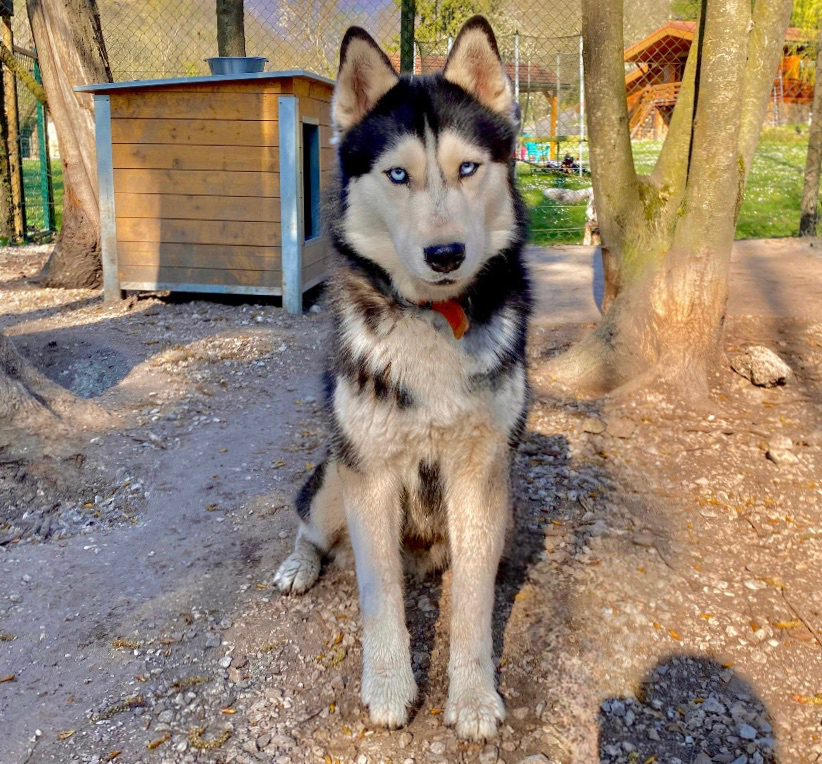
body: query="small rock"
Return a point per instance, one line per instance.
(762, 366)
(653, 734)
(746, 732)
(781, 456)
(166, 716)
(781, 442)
(621, 427)
(405, 739)
(15, 598)
(713, 706)
(437, 746)
(283, 742)
(263, 741)
(489, 754)
(743, 759)
(703, 758)
(520, 713)
(225, 662)
(537, 758)
(212, 640)
(593, 425)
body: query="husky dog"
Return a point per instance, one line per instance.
(427, 388)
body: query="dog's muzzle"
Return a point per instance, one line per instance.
(445, 258)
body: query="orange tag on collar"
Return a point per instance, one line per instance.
(454, 314)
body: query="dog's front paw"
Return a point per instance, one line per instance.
(389, 692)
(474, 712)
(298, 571)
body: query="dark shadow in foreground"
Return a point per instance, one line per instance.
(688, 709)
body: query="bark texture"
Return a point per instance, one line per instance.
(230, 28)
(26, 395)
(667, 237)
(810, 189)
(6, 201)
(71, 52)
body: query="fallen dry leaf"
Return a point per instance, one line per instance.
(158, 741)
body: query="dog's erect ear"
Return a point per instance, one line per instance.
(365, 76)
(475, 65)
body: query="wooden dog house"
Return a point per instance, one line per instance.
(212, 184)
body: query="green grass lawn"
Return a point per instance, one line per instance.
(770, 207)
(34, 194)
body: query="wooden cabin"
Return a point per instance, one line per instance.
(653, 82)
(212, 184)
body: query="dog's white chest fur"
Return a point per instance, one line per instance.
(442, 379)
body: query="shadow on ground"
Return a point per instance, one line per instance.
(675, 721)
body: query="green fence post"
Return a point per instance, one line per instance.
(46, 185)
(408, 9)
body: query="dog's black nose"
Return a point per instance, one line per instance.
(444, 258)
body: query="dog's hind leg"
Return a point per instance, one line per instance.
(477, 489)
(319, 505)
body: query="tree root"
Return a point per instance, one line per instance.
(595, 369)
(31, 401)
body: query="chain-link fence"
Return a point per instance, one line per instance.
(540, 43)
(39, 170)
(34, 174)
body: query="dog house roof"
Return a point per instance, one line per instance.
(107, 87)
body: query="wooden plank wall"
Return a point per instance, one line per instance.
(196, 175)
(315, 103)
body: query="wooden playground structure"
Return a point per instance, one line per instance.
(653, 85)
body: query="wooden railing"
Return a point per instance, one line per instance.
(641, 104)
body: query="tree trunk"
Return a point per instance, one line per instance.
(230, 28)
(6, 200)
(810, 190)
(667, 237)
(71, 52)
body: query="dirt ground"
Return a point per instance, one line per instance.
(663, 602)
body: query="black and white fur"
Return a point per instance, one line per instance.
(422, 423)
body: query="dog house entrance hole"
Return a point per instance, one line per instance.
(311, 180)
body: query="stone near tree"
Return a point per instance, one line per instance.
(780, 450)
(620, 427)
(762, 366)
(593, 425)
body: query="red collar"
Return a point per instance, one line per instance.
(454, 314)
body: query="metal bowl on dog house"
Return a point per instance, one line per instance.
(212, 184)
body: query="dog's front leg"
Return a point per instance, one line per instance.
(477, 518)
(374, 514)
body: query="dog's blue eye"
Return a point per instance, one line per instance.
(398, 175)
(468, 168)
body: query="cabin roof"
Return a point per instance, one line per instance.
(672, 40)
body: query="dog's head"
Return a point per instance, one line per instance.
(425, 162)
